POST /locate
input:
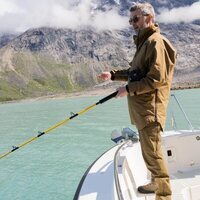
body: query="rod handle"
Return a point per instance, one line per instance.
(108, 97)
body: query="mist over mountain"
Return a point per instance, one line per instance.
(66, 54)
(21, 15)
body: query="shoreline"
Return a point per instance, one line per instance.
(103, 89)
(85, 93)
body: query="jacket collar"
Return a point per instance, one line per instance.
(144, 34)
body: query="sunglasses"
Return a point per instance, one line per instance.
(134, 19)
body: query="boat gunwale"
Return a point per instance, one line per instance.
(77, 193)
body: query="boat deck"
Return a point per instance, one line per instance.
(185, 184)
(99, 181)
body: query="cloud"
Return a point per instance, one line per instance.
(20, 15)
(185, 14)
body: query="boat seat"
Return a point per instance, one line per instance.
(192, 193)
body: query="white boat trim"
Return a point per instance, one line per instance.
(100, 168)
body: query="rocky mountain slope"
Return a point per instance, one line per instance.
(47, 60)
(124, 5)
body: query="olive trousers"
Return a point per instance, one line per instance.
(150, 140)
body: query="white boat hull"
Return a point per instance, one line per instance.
(118, 172)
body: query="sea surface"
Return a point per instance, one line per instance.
(51, 167)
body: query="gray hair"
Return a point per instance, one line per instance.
(145, 8)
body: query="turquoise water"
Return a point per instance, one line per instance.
(51, 167)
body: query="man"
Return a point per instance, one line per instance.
(149, 80)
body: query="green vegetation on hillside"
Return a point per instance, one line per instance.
(38, 75)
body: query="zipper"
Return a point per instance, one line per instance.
(156, 98)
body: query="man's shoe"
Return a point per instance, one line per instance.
(148, 188)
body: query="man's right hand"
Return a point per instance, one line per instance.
(105, 76)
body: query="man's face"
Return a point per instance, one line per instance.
(138, 21)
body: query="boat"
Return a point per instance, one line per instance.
(118, 172)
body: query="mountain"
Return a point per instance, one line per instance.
(46, 60)
(124, 5)
(6, 38)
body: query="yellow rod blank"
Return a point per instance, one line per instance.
(59, 124)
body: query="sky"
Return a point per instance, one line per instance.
(183, 14)
(20, 15)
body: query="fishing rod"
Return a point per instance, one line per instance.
(101, 101)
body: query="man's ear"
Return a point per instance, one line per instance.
(149, 19)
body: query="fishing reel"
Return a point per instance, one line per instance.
(126, 134)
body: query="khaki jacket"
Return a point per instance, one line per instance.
(148, 96)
